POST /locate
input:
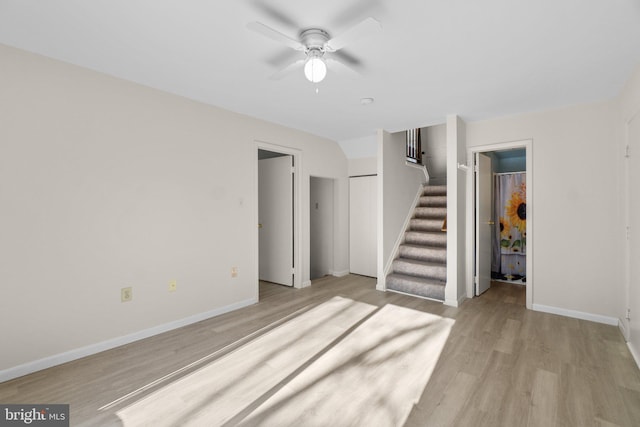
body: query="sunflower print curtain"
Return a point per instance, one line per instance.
(510, 240)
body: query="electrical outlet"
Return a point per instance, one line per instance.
(126, 294)
(234, 271)
(173, 285)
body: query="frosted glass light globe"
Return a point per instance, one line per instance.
(315, 70)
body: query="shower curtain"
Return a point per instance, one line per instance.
(510, 237)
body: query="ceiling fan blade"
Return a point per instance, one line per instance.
(345, 57)
(356, 9)
(275, 35)
(367, 27)
(288, 69)
(275, 14)
(341, 68)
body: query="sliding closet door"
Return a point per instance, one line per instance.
(363, 225)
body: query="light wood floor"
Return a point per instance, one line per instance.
(501, 365)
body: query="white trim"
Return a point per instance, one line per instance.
(455, 303)
(634, 353)
(405, 227)
(58, 359)
(598, 318)
(415, 296)
(420, 166)
(297, 210)
(623, 329)
(306, 284)
(339, 273)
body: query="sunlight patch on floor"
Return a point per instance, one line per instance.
(222, 388)
(373, 377)
(342, 362)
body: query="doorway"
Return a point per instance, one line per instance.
(321, 227)
(277, 215)
(496, 253)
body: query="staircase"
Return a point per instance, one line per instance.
(421, 267)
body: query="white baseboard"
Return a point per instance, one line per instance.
(598, 318)
(339, 273)
(635, 353)
(58, 359)
(455, 303)
(414, 295)
(623, 329)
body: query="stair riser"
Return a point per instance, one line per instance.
(424, 254)
(421, 224)
(435, 190)
(422, 235)
(426, 212)
(433, 201)
(426, 239)
(408, 287)
(425, 271)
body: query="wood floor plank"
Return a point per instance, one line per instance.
(448, 409)
(543, 399)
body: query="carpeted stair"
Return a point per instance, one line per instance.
(421, 267)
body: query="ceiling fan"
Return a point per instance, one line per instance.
(315, 43)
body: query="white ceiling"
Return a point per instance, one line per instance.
(477, 59)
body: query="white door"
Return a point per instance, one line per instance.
(634, 236)
(484, 222)
(275, 215)
(363, 240)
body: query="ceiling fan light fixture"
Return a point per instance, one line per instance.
(315, 70)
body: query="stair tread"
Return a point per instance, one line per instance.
(426, 238)
(419, 246)
(416, 279)
(423, 246)
(431, 211)
(426, 219)
(427, 232)
(417, 261)
(433, 201)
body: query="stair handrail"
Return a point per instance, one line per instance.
(414, 153)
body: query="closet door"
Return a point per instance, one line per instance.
(363, 225)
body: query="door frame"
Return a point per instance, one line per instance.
(527, 144)
(297, 223)
(624, 321)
